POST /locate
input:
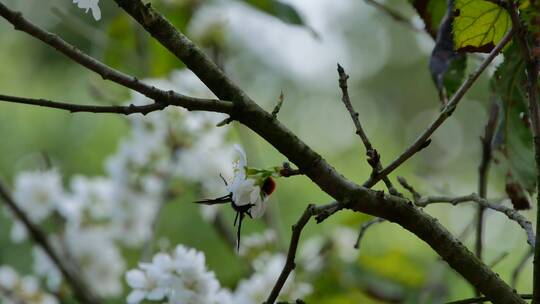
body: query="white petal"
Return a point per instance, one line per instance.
(136, 296)
(258, 210)
(242, 162)
(96, 12)
(136, 279)
(156, 294)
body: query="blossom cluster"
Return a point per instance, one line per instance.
(99, 216)
(15, 288)
(182, 278)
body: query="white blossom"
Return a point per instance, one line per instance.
(267, 270)
(99, 258)
(246, 189)
(18, 232)
(25, 289)
(180, 278)
(38, 193)
(8, 277)
(92, 5)
(44, 267)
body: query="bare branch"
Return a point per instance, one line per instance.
(287, 171)
(81, 290)
(277, 108)
(73, 108)
(108, 73)
(364, 227)
(509, 212)
(498, 259)
(483, 170)
(291, 254)
(519, 267)
(446, 112)
(374, 159)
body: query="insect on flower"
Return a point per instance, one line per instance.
(248, 191)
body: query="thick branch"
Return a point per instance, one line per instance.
(79, 287)
(108, 73)
(446, 112)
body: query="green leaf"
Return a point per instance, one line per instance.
(278, 9)
(447, 66)
(514, 138)
(431, 12)
(479, 25)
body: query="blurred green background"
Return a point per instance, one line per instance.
(390, 86)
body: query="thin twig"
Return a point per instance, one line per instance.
(410, 188)
(287, 171)
(519, 268)
(73, 108)
(277, 108)
(483, 170)
(446, 112)
(485, 299)
(108, 73)
(291, 254)
(364, 227)
(374, 159)
(509, 212)
(498, 259)
(81, 290)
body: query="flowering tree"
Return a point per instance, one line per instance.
(175, 139)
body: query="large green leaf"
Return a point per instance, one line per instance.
(514, 138)
(479, 25)
(278, 9)
(431, 12)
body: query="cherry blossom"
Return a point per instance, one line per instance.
(92, 5)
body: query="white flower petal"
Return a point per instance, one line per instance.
(136, 279)
(136, 296)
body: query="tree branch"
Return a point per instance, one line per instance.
(374, 159)
(291, 254)
(446, 112)
(483, 170)
(509, 212)
(364, 227)
(73, 108)
(108, 73)
(80, 289)
(519, 267)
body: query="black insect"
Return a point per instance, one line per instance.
(267, 188)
